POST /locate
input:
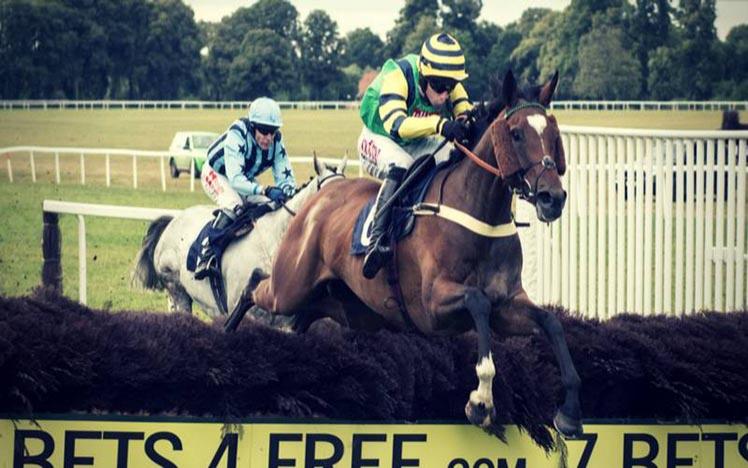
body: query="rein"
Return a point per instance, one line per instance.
(528, 191)
(477, 160)
(320, 182)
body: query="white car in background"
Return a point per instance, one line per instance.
(187, 146)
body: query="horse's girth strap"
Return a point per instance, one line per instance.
(465, 220)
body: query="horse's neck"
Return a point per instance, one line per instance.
(298, 200)
(476, 191)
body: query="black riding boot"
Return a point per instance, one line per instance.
(379, 250)
(207, 261)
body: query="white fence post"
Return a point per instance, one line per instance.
(630, 225)
(134, 171)
(32, 163)
(583, 207)
(575, 204)
(108, 172)
(83, 170)
(719, 241)
(639, 226)
(192, 174)
(163, 173)
(10, 168)
(741, 250)
(591, 199)
(680, 194)
(699, 221)
(602, 213)
(709, 217)
(57, 167)
(730, 247)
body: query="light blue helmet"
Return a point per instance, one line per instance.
(265, 111)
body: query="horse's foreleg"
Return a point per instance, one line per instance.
(480, 409)
(448, 298)
(568, 418)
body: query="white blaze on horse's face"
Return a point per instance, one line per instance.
(539, 122)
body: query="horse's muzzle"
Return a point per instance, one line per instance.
(550, 204)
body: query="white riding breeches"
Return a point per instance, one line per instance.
(378, 153)
(218, 188)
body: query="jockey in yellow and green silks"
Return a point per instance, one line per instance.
(408, 110)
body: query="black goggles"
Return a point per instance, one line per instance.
(266, 129)
(441, 85)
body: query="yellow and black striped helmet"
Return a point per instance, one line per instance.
(442, 56)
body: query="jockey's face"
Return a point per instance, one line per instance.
(437, 99)
(264, 136)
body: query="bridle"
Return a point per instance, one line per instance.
(321, 180)
(520, 185)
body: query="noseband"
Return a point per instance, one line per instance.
(529, 191)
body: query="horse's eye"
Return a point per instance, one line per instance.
(516, 134)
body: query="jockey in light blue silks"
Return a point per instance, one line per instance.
(250, 146)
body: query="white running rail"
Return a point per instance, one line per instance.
(13, 152)
(337, 105)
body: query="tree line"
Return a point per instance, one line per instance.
(154, 49)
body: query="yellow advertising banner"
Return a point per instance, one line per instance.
(144, 442)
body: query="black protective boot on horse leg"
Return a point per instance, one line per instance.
(207, 261)
(379, 250)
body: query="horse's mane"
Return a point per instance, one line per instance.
(304, 185)
(484, 113)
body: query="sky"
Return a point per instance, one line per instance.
(380, 15)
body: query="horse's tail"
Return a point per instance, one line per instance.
(144, 275)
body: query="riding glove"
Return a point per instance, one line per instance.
(288, 190)
(275, 194)
(454, 130)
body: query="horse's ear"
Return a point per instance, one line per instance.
(341, 165)
(546, 92)
(319, 168)
(559, 156)
(506, 157)
(509, 88)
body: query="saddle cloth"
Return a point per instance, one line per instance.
(402, 220)
(221, 240)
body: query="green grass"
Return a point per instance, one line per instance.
(112, 244)
(330, 133)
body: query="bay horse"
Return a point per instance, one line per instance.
(451, 279)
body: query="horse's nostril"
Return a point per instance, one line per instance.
(545, 198)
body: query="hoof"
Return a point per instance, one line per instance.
(480, 415)
(568, 427)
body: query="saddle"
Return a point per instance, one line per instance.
(416, 183)
(242, 226)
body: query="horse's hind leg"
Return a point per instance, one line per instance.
(568, 419)
(179, 300)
